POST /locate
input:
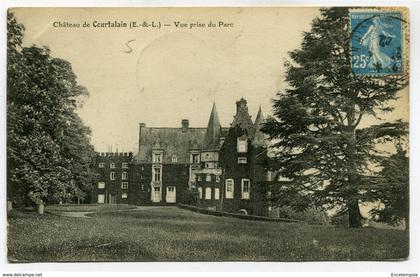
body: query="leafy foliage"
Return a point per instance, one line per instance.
(393, 189)
(48, 147)
(319, 142)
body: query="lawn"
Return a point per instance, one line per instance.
(116, 233)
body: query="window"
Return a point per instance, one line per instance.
(246, 187)
(218, 178)
(208, 178)
(101, 198)
(156, 194)
(242, 146)
(242, 160)
(112, 165)
(208, 194)
(170, 194)
(229, 188)
(216, 193)
(174, 159)
(200, 193)
(157, 158)
(195, 158)
(124, 185)
(198, 177)
(124, 176)
(101, 165)
(124, 195)
(101, 185)
(157, 171)
(207, 165)
(124, 165)
(112, 176)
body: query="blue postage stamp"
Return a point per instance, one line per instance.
(377, 42)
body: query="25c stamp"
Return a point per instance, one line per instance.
(377, 42)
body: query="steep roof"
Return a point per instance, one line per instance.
(211, 139)
(242, 117)
(173, 141)
(259, 137)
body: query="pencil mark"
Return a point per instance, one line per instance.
(127, 44)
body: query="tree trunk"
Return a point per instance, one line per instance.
(355, 218)
(40, 207)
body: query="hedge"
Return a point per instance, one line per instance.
(241, 216)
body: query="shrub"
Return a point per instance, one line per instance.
(311, 215)
(341, 220)
(192, 198)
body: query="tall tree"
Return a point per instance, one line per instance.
(392, 190)
(48, 144)
(317, 135)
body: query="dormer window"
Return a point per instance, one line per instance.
(242, 146)
(195, 158)
(157, 158)
(174, 159)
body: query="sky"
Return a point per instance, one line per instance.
(161, 76)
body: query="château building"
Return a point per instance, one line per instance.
(216, 167)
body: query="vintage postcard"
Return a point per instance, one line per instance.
(208, 134)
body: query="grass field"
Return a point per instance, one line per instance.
(121, 233)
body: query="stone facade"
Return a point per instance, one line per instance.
(114, 178)
(222, 166)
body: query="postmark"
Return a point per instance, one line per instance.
(377, 42)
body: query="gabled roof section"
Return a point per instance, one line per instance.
(242, 117)
(259, 137)
(212, 137)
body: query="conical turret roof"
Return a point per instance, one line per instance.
(211, 139)
(259, 135)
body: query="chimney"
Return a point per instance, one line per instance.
(185, 125)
